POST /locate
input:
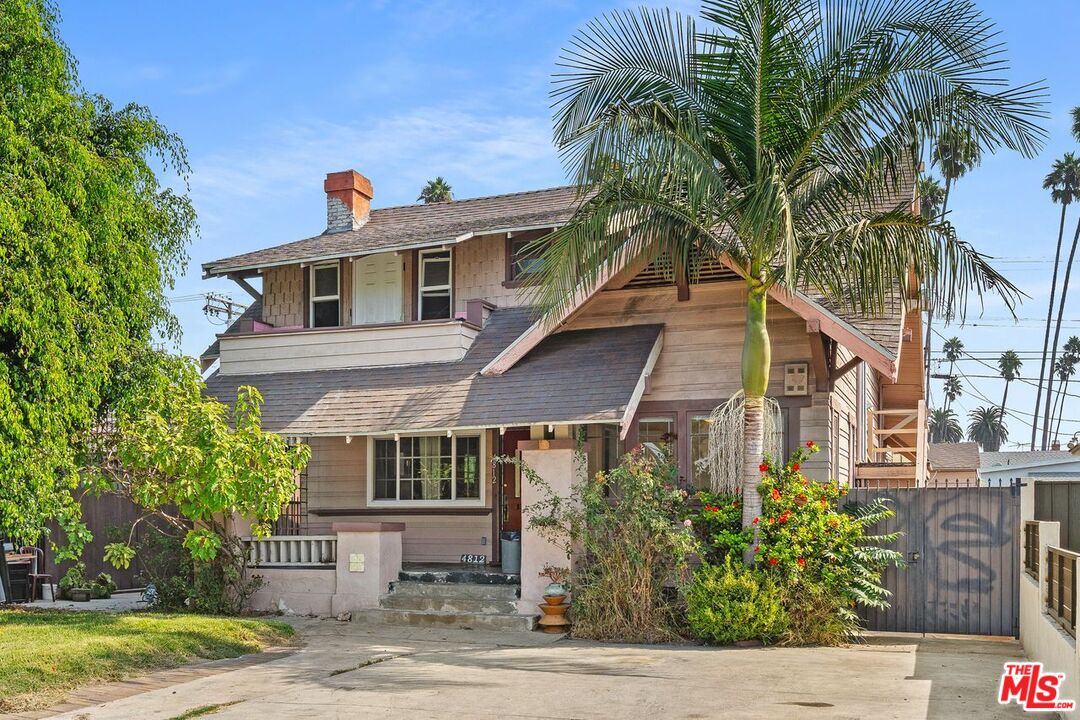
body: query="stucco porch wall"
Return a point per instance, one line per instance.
(295, 591)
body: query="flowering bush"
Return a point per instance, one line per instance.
(718, 526)
(823, 553)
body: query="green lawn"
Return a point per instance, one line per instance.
(46, 654)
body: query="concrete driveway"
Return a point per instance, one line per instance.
(349, 671)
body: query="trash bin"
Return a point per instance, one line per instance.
(511, 551)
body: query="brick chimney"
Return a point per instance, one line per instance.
(348, 200)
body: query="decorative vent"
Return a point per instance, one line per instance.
(796, 379)
(659, 273)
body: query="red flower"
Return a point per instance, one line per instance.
(763, 467)
(755, 521)
(775, 494)
(809, 443)
(795, 467)
(757, 549)
(785, 516)
(801, 498)
(773, 561)
(802, 562)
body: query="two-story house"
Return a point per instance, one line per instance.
(398, 343)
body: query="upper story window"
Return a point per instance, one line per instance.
(325, 295)
(435, 282)
(521, 259)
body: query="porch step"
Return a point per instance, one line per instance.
(458, 574)
(453, 591)
(463, 620)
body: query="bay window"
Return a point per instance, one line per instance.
(426, 468)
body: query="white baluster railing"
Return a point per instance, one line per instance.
(291, 550)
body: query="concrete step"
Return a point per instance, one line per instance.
(473, 575)
(464, 620)
(462, 591)
(424, 603)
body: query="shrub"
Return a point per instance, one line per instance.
(717, 523)
(631, 548)
(731, 602)
(824, 556)
(102, 586)
(75, 577)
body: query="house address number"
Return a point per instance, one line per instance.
(474, 559)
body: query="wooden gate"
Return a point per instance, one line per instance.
(962, 546)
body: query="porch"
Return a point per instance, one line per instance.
(896, 448)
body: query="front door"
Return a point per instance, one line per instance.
(511, 479)
(377, 291)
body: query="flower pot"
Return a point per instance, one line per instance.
(554, 588)
(79, 594)
(554, 599)
(554, 616)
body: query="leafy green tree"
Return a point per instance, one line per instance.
(90, 241)
(987, 427)
(1009, 365)
(944, 427)
(437, 190)
(1063, 182)
(779, 137)
(193, 465)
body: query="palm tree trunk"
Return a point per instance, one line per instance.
(1057, 336)
(1061, 407)
(756, 360)
(1046, 335)
(1004, 395)
(930, 313)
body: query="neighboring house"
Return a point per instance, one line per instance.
(1003, 468)
(953, 464)
(399, 344)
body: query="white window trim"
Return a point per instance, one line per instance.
(313, 298)
(421, 288)
(453, 502)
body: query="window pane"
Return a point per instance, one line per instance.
(385, 478)
(660, 431)
(522, 263)
(325, 313)
(435, 305)
(468, 467)
(425, 468)
(326, 281)
(699, 453)
(436, 273)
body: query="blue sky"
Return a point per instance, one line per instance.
(270, 96)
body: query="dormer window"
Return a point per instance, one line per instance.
(523, 262)
(435, 285)
(325, 300)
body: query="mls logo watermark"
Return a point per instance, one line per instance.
(1032, 689)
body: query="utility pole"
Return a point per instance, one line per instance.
(221, 306)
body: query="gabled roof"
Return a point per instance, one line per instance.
(413, 226)
(557, 383)
(953, 456)
(1024, 458)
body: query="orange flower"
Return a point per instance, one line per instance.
(775, 494)
(802, 562)
(773, 561)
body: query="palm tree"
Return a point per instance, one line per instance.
(1057, 325)
(944, 427)
(931, 197)
(954, 349)
(437, 190)
(956, 152)
(953, 389)
(987, 428)
(1066, 368)
(1009, 365)
(1063, 182)
(779, 139)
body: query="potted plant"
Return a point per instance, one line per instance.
(555, 606)
(74, 585)
(102, 587)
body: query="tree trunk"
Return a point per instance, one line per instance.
(1004, 395)
(1057, 336)
(1046, 334)
(755, 381)
(930, 313)
(1061, 407)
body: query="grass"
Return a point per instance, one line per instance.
(46, 654)
(204, 710)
